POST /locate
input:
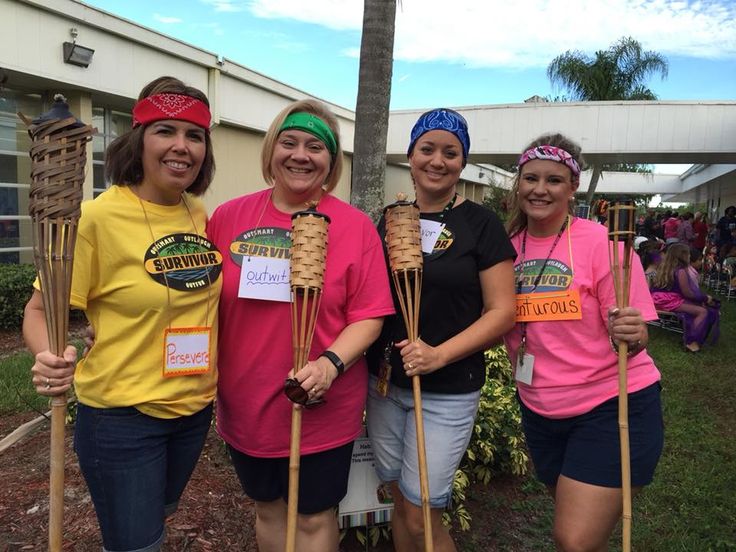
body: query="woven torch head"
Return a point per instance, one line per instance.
(403, 235)
(308, 249)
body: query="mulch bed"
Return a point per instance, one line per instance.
(213, 515)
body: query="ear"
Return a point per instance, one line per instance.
(575, 183)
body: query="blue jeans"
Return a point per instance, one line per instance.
(136, 467)
(448, 427)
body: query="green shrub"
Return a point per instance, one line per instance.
(16, 287)
(497, 445)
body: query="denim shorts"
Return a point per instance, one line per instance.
(586, 447)
(136, 467)
(448, 425)
(323, 477)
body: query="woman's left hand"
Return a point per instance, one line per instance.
(627, 325)
(316, 377)
(419, 358)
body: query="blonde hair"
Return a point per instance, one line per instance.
(517, 218)
(318, 109)
(677, 256)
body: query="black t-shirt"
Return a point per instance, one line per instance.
(473, 240)
(726, 224)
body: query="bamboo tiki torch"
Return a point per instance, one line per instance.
(404, 243)
(58, 157)
(308, 252)
(621, 230)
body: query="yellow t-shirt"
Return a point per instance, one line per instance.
(118, 281)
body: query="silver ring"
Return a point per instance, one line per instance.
(48, 383)
(411, 366)
(313, 390)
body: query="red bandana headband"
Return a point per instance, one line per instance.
(160, 107)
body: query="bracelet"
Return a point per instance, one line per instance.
(335, 360)
(633, 348)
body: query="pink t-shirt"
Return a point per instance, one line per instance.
(670, 227)
(255, 348)
(575, 368)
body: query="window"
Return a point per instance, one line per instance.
(16, 237)
(109, 124)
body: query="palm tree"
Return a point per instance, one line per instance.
(619, 73)
(371, 112)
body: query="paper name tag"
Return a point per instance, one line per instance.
(541, 307)
(265, 278)
(186, 351)
(525, 368)
(431, 231)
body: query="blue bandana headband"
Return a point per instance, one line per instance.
(441, 119)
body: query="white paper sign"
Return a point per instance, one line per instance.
(265, 278)
(187, 351)
(431, 231)
(363, 493)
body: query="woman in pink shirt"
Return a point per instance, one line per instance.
(566, 363)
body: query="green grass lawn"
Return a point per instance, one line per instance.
(16, 392)
(690, 507)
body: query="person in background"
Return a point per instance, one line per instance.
(651, 225)
(700, 231)
(142, 415)
(673, 289)
(685, 233)
(651, 257)
(301, 161)
(670, 226)
(566, 366)
(467, 304)
(726, 226)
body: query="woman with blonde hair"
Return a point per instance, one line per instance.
(301, 163)
(566, 365)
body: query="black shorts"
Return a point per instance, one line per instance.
(323, 478)
(586, 447)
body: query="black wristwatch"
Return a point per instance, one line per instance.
(335, 360)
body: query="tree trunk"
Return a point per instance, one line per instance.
(371, 112)
(593, 184)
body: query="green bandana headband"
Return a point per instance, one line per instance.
(314, 126)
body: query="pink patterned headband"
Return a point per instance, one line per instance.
(550, 153)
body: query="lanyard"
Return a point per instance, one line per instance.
(446, 209)
(166, 279)
(565, 224)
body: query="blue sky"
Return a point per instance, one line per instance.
(461, 52)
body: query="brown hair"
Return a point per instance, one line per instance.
(677, 256)
(124, 156)
(318, 109)
(517, 218)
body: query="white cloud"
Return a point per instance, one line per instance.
(166, 19)
(529, 33)
(225, 5)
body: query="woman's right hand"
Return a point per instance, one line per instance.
(53, 375)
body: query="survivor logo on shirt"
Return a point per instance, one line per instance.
(557, 276)
(185, 262)
(270, 242)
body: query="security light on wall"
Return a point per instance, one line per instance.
(76, 54)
